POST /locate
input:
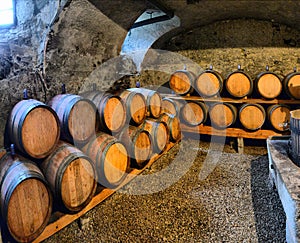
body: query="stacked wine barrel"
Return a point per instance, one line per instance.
(32, 129)
(56, 154)
(249, 103)
(149, 128)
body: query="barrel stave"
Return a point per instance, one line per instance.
(33, 127)
(26, 200)
(72, 177)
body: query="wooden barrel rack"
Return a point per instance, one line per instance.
(235, 132)
(60, 220)
(101, 161)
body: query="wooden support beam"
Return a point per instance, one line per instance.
(240, 143)
(230, 132)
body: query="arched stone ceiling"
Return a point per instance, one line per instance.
(194, 13)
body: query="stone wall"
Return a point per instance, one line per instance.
(21, 53)
(78, 42)
(57, 42)
(253, 44)
(84, 48)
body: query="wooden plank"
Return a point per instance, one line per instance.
(233, 101)
(240, 143)
(65, 219)
(230, 132)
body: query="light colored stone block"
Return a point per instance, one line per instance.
(286, 177)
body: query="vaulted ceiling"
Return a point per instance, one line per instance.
(194, 13)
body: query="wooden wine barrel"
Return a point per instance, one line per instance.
(268, 84)
(252, 116)
(169, 106)
(71, 176)
(77, 117)
(193, 113)
(153, 101)
(173, 125)
(182, 82)
(209, 83)
(222, 115)
(294, 148)
(291, 84)
(159, 134)
(138, 144)
(33, 127)
(110, 158)
(238, 84)
(111, 110)
(26, 199)
(278, 116)
(135, 105)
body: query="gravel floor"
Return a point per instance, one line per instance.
(235, 203)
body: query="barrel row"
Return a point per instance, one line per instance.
(35, 127)
(222, 115)
(237, 84)
(68, 173)
(250, 116)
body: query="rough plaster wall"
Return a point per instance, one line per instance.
(225, 44)
(83, 48)
(78, 44)
(203, 12)
(21, 53)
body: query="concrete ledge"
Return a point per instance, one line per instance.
(285, 175)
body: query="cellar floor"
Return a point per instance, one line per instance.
(170, 202)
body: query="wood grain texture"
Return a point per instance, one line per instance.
(77, 117)
(28, 210)
(173, 124)
(71, 176)
(252, 116)
(278, 115)
(269, 86)
(158, 132)
(209, 84)
(153, 101)
(292, 85)
(26, 200)
(82, 121)
(135, 104)
(111, 110)
(239, 85)
(181, 82)
(114, 114)
(155, 105)
(110, 158)
(244, 100)
(65, 219)
(222, 115)
(193, 113)
(230, 132)
(34, 128)
(169, 106)
(138, 144)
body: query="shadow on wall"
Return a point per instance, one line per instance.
(232, 34)
(268, 211)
